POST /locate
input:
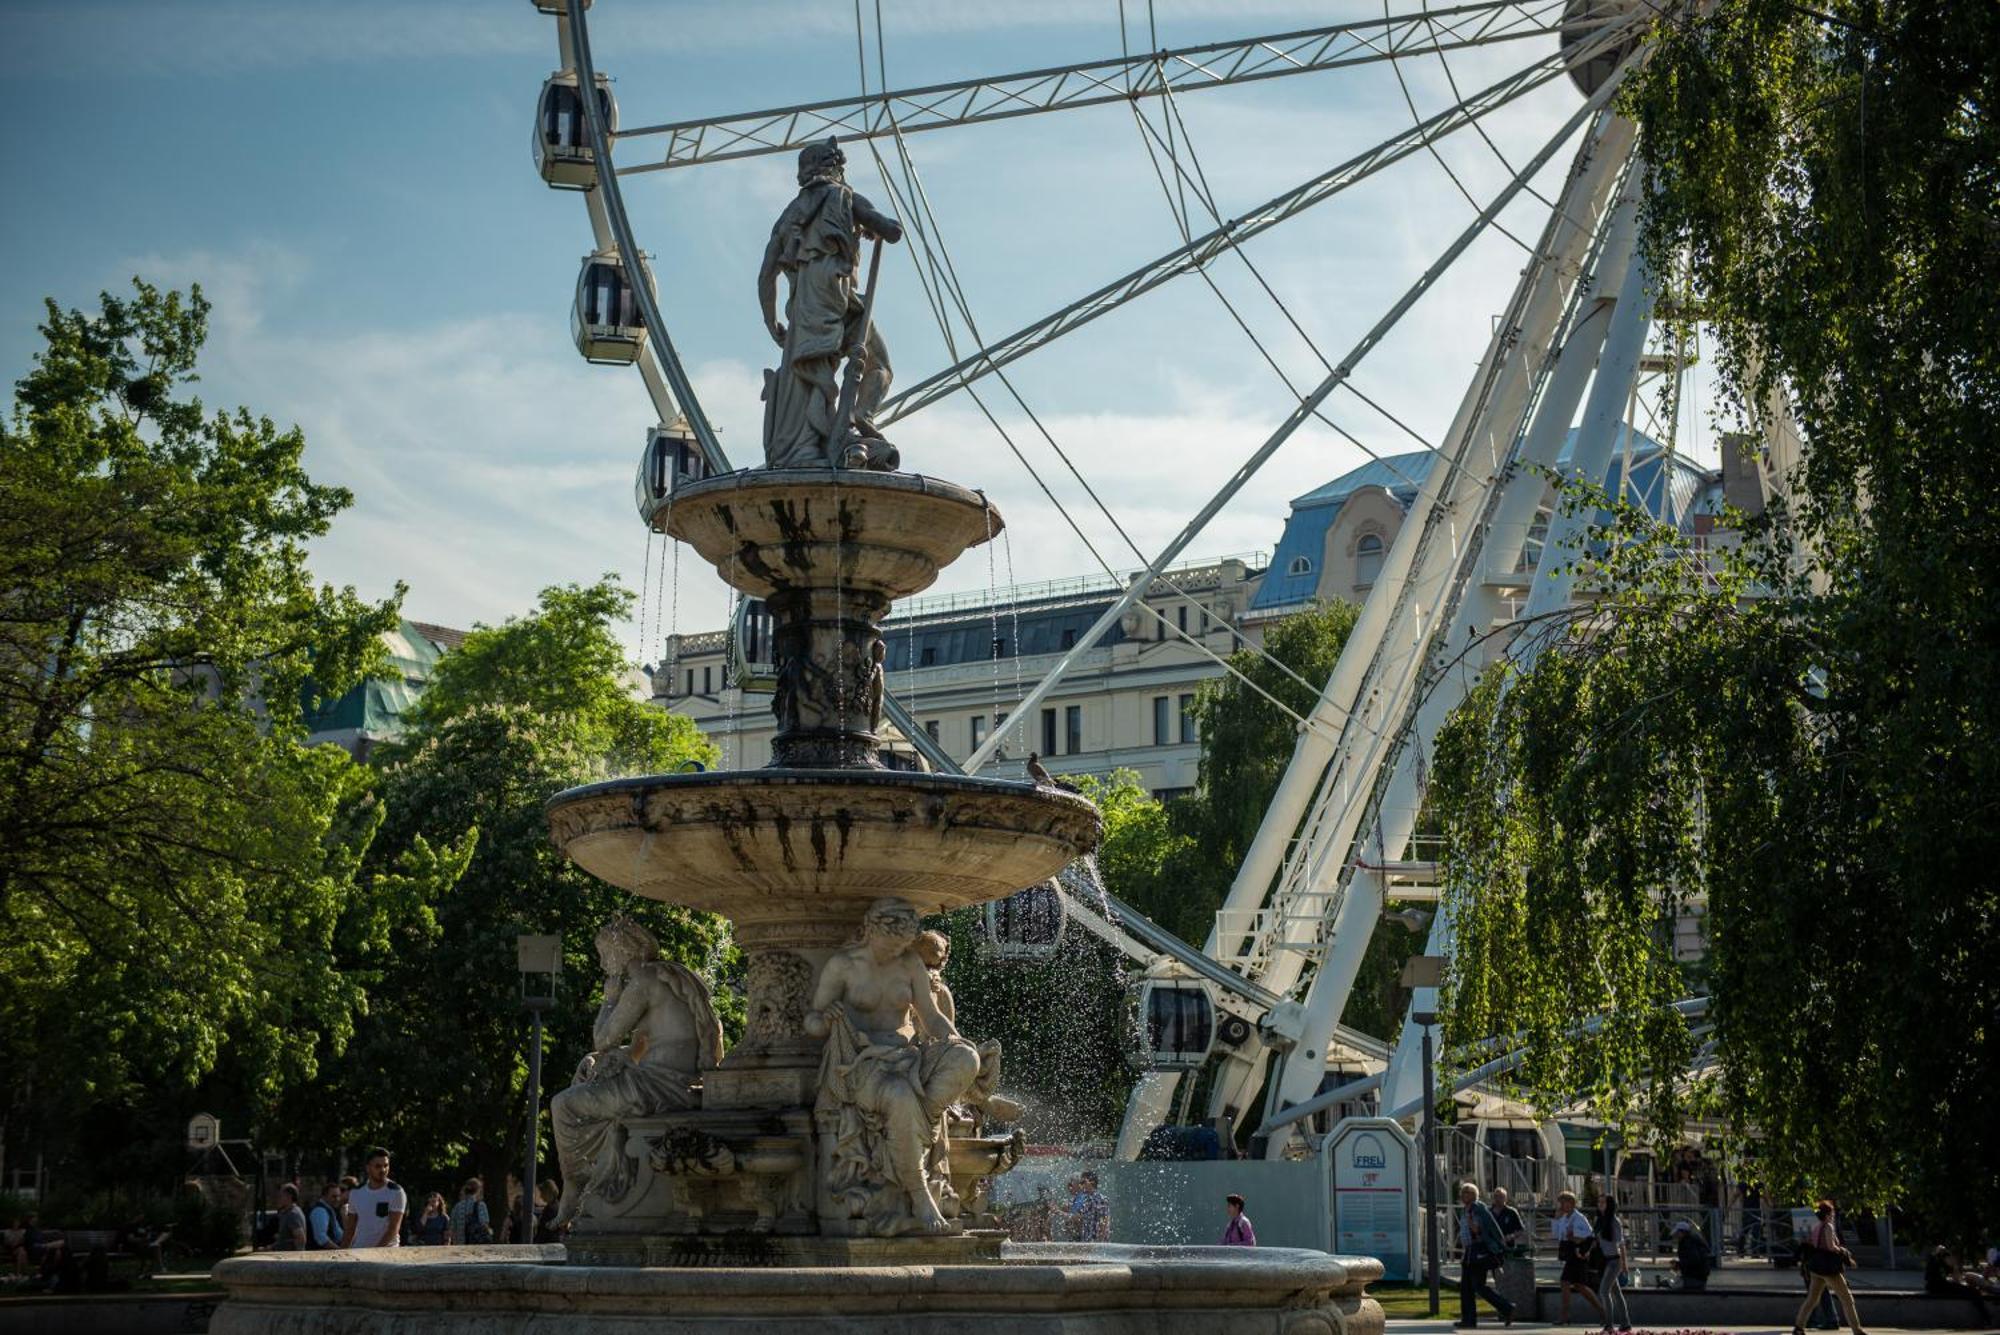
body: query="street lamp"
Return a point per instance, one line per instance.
(539, 959)
(1427, 971)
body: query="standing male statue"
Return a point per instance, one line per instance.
(816, 243)
(655, 1032)
(884, 1091)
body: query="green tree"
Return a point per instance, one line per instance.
(437, 1070)
(1246, 743)
(1816, 765)
(181, 877)
(1142, 859)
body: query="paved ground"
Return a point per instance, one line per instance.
(1424, 1326)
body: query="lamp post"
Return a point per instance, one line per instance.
(539, 959)
(1421, 972)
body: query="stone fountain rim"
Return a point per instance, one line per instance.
(781, 479)
(913, 780)
(1035, 1273)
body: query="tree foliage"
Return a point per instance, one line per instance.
(1246, 744)
(519, 712)
(181, 878)
(1818, 763)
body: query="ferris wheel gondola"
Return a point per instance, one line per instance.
(672, 459)
(1027, 924)
(563, 154)
(1176, 1023)
(606, 320)
(557, 7)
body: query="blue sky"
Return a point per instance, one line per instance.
(351, 183)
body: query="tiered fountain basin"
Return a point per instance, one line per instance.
(788, 855)
(1033, 1289)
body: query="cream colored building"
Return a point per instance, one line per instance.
(960, 662)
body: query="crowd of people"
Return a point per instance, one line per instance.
(375, 1212)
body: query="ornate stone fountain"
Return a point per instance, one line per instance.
(849, 1121)
(826, 1172)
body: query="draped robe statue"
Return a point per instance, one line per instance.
(883, 1092)
(653, 1035)
(816, 244)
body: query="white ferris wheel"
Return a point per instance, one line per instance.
(1581, 363)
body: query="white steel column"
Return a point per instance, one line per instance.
(1598, 434)
(1380, 663)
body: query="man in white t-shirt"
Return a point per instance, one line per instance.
(375, 1209)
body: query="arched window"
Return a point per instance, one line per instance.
(1301, 565)
(1367, 560)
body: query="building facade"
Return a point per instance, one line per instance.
(959, 663)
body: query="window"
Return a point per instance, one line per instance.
(1159, 720)
(1069, 638)
(1204, 618)
(1073, 729)
(708, 681)
(1180, 614)
(930, 656)
(1367, 560)
(999, 646)
(931, 729)
(1048, 732)
(1301, 565)
(978, 730)
(1187, 718)
(690, 689)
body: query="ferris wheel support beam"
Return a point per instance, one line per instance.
(1099, 82)
(1195, 254)
(667, 381)
(1438, 550)
(1394, 805)
(1298, 416)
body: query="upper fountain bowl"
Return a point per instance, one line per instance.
(770, 529)
(785, 852)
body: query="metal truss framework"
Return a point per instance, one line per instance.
(1127, 78)
(1199, 252)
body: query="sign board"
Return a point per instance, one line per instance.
(204, 1131)
(1375, 1194)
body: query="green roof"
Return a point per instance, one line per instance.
(376, 707)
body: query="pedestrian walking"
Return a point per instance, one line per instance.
(434, 1224)
(1482, 1253)
(1514, 1239)
(1237, 1232)
(471, 1225)
(375, 1209)
(1089, 1213)
(291, 1230)
(1611, 1246)
(1576, 1241)
(1827, 1262)
(325, 1230)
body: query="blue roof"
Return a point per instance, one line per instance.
(1401, 474)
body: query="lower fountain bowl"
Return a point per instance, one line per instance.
(1034, 1289)
(781, 846)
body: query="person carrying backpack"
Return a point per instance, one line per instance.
(470, 1224)
(1826, 1265)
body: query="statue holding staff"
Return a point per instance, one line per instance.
(816, 244)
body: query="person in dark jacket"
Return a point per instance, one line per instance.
(1693, 1258)
(1479, 1235)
